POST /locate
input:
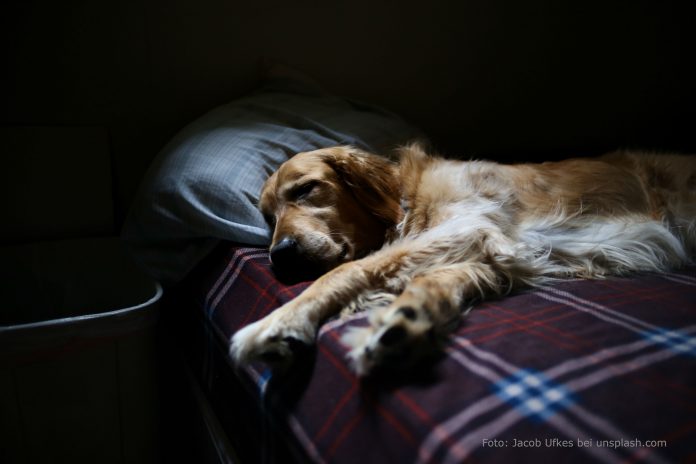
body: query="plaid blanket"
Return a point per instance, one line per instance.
(580, 371)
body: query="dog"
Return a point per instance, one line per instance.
(419, 240)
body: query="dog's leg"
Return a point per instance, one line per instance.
(272, 338)
(427, 310)
(435, 295)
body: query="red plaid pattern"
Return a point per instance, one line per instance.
(580, 371)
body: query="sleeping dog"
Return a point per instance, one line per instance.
(416, 242)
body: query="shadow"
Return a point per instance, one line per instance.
(304, 273)
(288, 383)
(389, 376)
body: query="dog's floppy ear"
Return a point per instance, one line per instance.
(374, 181)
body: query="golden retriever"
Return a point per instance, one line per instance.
(416, 242)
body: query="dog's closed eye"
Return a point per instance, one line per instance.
(302, 191)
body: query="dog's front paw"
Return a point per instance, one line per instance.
(274, 339)
(399, 336)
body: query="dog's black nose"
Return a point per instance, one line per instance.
(285, 253)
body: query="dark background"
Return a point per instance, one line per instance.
(90, 90)
(509, 80)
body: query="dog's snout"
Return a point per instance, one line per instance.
(285, 252)
(290, 262)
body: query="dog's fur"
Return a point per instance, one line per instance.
(418, 241)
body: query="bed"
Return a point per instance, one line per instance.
(599, 370)
(579, 371)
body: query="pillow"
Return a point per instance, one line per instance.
(204, 185)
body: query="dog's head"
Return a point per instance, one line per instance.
(329, 206)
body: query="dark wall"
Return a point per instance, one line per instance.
(504, 79)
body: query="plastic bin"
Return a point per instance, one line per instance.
(77, 354)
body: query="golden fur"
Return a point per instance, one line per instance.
(418, 241)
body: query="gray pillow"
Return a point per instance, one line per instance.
(203, 187)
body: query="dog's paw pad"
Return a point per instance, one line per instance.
(393, 335)
(271, 357)
(408, 312)
(397, 336)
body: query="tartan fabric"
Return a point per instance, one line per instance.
(580, 371)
